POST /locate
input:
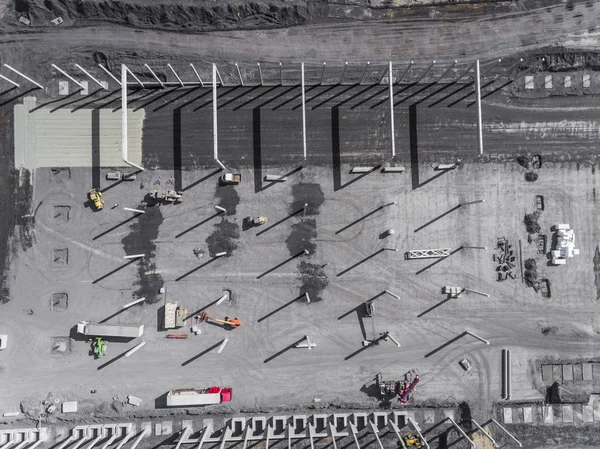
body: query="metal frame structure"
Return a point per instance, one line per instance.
(427, 253)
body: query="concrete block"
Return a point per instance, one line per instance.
(147, 426)
(400, 418)
(69, 407)
(547, 373)
(380, 419)
(557, 373)
(577, 372)
(320, 425)
(188, 423)
(567, 413)
(588, 413)
(340, 421)
(596, 405)
(63, 88)
(548, 82)
(578, 414)
(158, 429)
(507, 415)
(167, 427)
(529, 85)
(586, 80)
(275, 178)
(449, 413)
(567, 81)
(548, 414)
(279, 425)
(238, 425)
(586, 368)
(359, 420)
(398, 169)
(299, 425)
(361, 169)
(527, 415)
(567, 372)
(85, 90)
(428, 416)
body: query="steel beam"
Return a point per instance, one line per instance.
(343, 72)
(466, 71)
(303, 113)
(24, 76)
(154, 75)
(354, 431)
(479, 120)
(124, 441)
(281, 73)
(110, 74)
(237, 67)
(9, 81)
(447, 71)
(133, 75)
(123, 84)
(364, 72)
(483, 340)
(89, 75)
(507, 432)
(226, 435)
(323, 72)
(139, 438)
(175, 73)
(332, 433)
(391, 93)
(67, 75)
(262, 82)
(205, 433)
(489, 437)
(310, 434)
(425, 72)
(184, 435)
(196, 73)
(289, 435)
(405, 71)
(462, 432)
(214, 105)
(376, 433)
(396, 430)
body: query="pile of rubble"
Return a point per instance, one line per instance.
(505, 258)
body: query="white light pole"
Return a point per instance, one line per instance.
(479, 121)
(303, 111)
(391, 90)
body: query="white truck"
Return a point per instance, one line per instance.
(187, 397)
(110, 330)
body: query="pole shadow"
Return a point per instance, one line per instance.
(96, 149)
(417, 92)
(438, 261)
(280, 308)
(206, 351)
(257, 150)
(448, 343)
(356, 95)
(177, 166)
(197, 268)
(355, 353)
(113, 360)
(439, 217)
(262, 94)
(502, 86)
(264, 103)
(206, 103)
(295, 97)
(290, 173)
(280, 265)
(280, 221)
(451, 94)
(198, 224)
(129, 262)
(360, 262)
(444, 301)
(102, 234)
(464, 97)
(277, 354)
(334, 96)
(118, 312)
(164, 94)
(414, 145)
(243, 94)
(434, 177)
(191, 315)
(201, 180)
(43, 105)
(364, 217)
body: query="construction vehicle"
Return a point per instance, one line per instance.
(230, 178)
(257, 221)
(387, 388)
(406, 389)
(186, 397)
(99, 347)
(110, 330)
(95, 196)
(233, 323)
(412, 440)
(166, 196)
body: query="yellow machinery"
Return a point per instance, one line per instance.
(95, 196)
(411, 440)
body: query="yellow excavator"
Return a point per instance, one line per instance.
(411, 440)
(95, 196)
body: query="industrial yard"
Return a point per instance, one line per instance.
(300, 235)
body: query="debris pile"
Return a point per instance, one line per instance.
(505, 258)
